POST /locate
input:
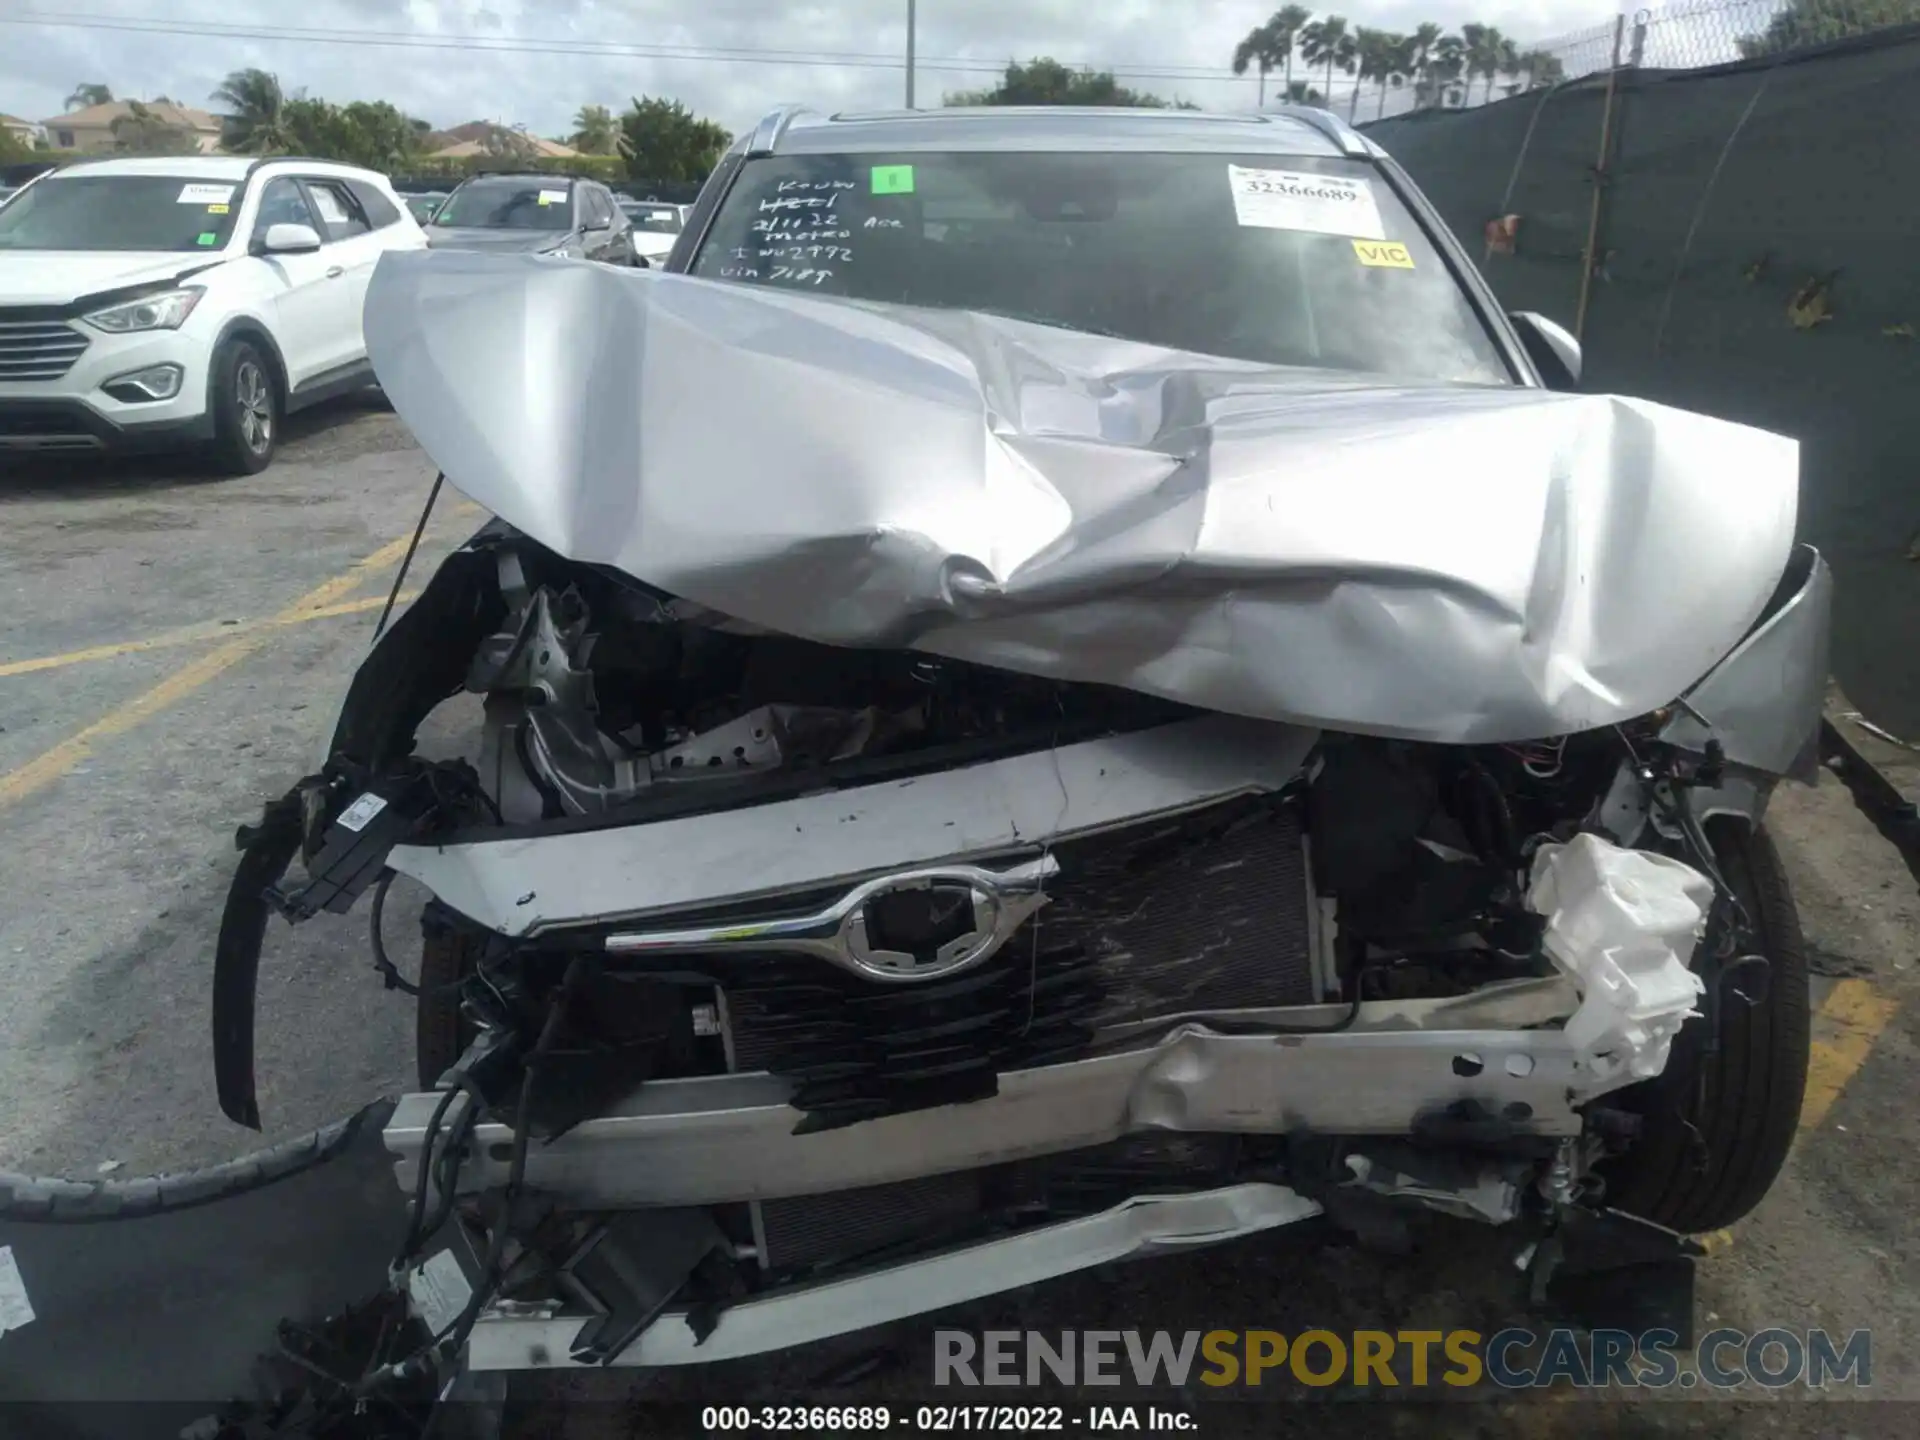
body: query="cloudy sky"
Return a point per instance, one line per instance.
(536, 61)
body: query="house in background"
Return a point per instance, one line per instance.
(485, 137)
(25, 131)
(91, 129)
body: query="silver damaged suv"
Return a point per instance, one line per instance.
(1059, 684)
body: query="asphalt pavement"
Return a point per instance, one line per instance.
(172, 652)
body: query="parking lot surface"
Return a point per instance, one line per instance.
(172, 652)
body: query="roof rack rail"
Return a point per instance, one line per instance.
(290, 160)
(1327, 123)
(772, 126)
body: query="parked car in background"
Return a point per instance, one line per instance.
(422, 204)
(538, 214)
(161, 302)
(656, 225)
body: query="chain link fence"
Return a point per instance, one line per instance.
(1695, 34)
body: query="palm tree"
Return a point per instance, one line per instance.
(1486, 51)
(1287, 22)
(595, 131)
(1270, 46)
(1259, 51)
(1542, 69)
(1419, 61)
(1366, 51)
(1396, 65)
(1512, 62)
(84, 96)
(1444, 69)
(256, 113)
(1326, 39)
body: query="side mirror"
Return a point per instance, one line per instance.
(1554, 352)
(289, 240)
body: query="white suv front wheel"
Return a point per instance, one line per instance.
(246, 409)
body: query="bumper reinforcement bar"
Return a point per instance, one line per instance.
(730, 1138)
(1143, 1226)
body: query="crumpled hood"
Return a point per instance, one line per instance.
(1447, 563)
(498, 241)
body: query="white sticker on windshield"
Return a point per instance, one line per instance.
(553, 197)
(15, 1308)
(205, 194)
(1298, 200)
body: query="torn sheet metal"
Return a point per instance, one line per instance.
(1448, 563)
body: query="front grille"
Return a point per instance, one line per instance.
(38, 349)
(1206, 911)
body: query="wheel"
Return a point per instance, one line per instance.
(441, 1033)
(246, 409)
(1716, 1128)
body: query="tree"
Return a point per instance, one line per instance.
(1395, 66)
(1379, 55)
(12, 148)
(595, 131)
(1270, 46)
(372, 134)
(1815, 22)
(1542, 69)
(1262, 51)
(1512, 62)
(1445, 66)
(664, 140)
(1486, 52)
(1045, 81)
(84, 96)
(255, 120)
(141, 132)
(1326, 39)
(1299, 92)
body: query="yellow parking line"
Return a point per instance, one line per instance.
(1855, 1013)
(193, 634)
(46, 768)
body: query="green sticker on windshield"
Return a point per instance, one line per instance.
(209, 238)
(893, 179)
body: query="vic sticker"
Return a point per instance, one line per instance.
(1298, 200)
(1390, 254)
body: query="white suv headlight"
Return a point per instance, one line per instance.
(166, 311)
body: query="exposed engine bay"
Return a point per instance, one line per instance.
(772, 981)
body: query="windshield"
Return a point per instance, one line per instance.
(1278, 260)
(654, 219)
(508, 205)
(120, 212)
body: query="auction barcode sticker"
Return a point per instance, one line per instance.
(1300, 200)
(15, 1309)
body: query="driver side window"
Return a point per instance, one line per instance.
(283, 203)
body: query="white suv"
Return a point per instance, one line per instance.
(151, 303)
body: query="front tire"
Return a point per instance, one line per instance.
(245, 398)
(1716, 1127)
